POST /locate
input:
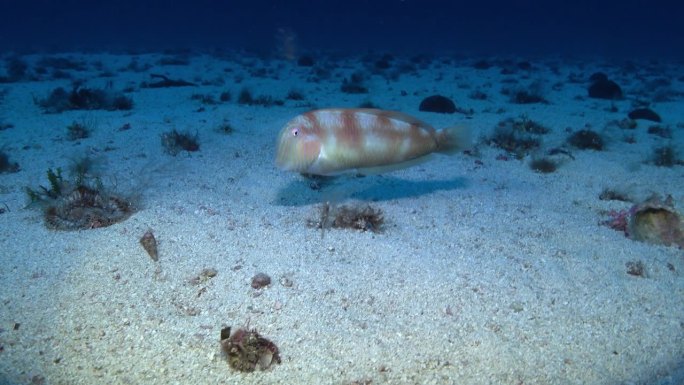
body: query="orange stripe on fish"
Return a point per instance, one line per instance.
(336, 140)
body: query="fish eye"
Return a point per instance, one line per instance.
(294, 131)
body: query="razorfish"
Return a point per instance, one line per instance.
(337, 140)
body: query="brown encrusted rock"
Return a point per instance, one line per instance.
(246, 350)
(260, 280)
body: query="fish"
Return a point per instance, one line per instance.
(335, 141)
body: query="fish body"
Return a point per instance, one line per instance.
(337, 140)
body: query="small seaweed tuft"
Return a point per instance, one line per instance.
(666, 156)
(525, 124)
(294, 95)
(368, 104)
(477, 95)
(225, 96)
(658, 130)
(586, 140)
(518, 136)
(544, 165)
(356, 217)
(267, 101)
(206, 99)
(245, 97)
(78, 204)
(17, 70)
(609, 194)
(85, 169)
(173, 142)
(53, 191)
(533, 93)
(354, 84)
(364, 218)
(225, 128)
(5, 165)
(44, 193)
(81, 98)
(78, 130)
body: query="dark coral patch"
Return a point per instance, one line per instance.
(645, 114)
(437, 103)
(586, 140)
(604, 88)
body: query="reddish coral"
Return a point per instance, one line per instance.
(617, 220)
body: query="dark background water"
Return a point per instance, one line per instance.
(631, 28)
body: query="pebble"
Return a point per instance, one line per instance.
(285, 281)
(260, 280)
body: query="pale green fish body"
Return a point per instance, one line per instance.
(336, 140)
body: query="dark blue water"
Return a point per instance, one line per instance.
(615, 28)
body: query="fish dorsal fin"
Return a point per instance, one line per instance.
(395, 115)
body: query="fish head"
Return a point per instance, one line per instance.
(299, 146)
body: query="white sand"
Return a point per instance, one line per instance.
(485, 274)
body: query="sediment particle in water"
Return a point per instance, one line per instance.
(149, 243)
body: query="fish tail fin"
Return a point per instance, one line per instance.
(454, 139)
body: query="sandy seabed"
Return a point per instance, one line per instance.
(485, 272)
